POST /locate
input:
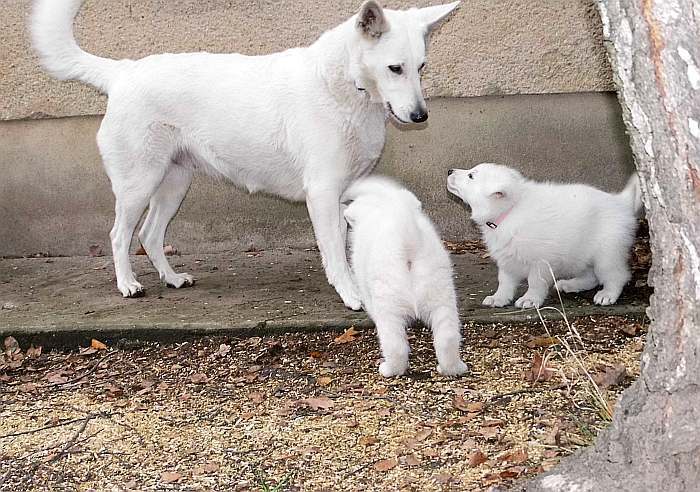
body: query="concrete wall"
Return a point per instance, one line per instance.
(55, 197)
(489, 47)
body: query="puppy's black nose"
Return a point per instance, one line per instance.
(450, 171)
(419, 116)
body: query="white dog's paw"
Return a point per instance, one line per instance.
(605, 298)
(389, 369)
(455, 369)
(526, 302)
(180, 280)
(494, 301)
(350, 298)
(131, 288)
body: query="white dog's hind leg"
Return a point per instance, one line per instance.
(131, 194)
(586, 281)
(539, 280)
(163, 206)
(507, 285)
(324, 210)
(393, 343)
(444, 321)
(613, 273)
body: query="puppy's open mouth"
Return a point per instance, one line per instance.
(390, 110)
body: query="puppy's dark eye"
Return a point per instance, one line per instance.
(397, 69)
(471, 176)
(422, 66)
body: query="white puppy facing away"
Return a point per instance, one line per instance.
(583, 234)
(402, 272)
(301, 124)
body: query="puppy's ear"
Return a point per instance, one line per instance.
(432, 16)
(371, 21)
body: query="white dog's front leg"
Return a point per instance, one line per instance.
(329, 228)
(507, 285)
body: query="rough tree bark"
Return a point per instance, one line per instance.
(653, 443)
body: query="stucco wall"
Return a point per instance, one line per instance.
(488, 47)
(55, 197)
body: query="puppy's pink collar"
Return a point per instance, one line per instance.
(497, 221)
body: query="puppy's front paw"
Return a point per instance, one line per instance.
(527, 301)
(495, 301)
(605, 298)
(389, 369)
(455, 369)
(180, 280)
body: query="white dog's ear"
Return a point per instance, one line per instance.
(371, 21)
(432, 16)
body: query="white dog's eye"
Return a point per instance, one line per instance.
(397, 69)
(471, 176)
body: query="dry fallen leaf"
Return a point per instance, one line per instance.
(318, 403)
(223, 349)
(610, 375)
(460, 404)
(516, 457)
(170, 477)
(324, 380)
(256, 397)
(385, 465)
(476, 458)
(27, 387)
(199, 378)
(11, 345)
(412, 460)
(97, 345)
(540, 342)
(95, 250)
(367, 440)
(33, 352)
(350, 335)
(539, 370)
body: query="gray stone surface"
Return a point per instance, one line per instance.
(55, 196)
(57, 299)
(488, 47)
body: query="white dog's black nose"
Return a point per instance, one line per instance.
(419, 116)
(450, 171)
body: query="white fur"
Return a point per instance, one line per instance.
(293, 124)
(402, 273)
(582, 233)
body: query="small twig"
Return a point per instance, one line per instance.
(84, 375)
(87, 418)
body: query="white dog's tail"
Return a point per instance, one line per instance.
(632, 194)
(51, 27)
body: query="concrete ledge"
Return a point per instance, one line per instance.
(55, 198)
(68, 301)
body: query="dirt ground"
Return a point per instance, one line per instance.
(309, 411)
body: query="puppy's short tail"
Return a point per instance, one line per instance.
(51, 27)
(632, 194)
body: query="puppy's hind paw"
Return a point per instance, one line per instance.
(605, 298)
(456, 369)
(391, 369)
(527, 302)
(494, 301)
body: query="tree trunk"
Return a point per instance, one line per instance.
(653, 443)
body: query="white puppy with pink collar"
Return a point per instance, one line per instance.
(541, 231)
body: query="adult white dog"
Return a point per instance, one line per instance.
(403, 273)
(301, 124)
(582, 234)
